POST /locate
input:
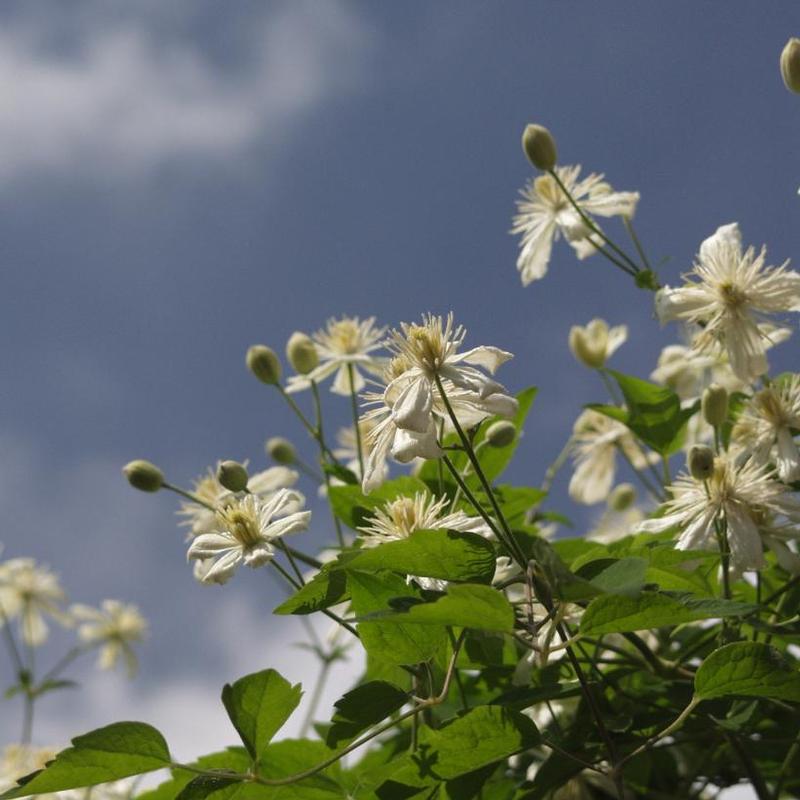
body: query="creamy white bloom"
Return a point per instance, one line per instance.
(767, 424)
(113, 627)
(756, 510)
(595, 343)
(401, 517)
(731, 292)
(615, 525)
(343, 344)
(201, 519)
(545, 213)
(19, 760)
(245, 532)
(596, 441)
(31, 592)
(348, 449)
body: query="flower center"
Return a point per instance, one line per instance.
(404, 515)
(243, 525)
(771, 407)
(550, 193)
(732, 295)
(344, 336)
(427, 346)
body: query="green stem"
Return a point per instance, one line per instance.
(786, 765)
(628, 222)
(320, 437)
(314, 433)
(354, 408)
(319, 687)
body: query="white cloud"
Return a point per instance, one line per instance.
(130, 98)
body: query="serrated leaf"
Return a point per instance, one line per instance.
(258, 705)
(386, 641)
(482, 736)
(612, 613)
(364, 706)
(327, 588)
(464, 606)
(103, 755)
(752, 669)
(449, 555)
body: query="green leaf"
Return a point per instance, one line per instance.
(564, 584)
(387, 641)
(449, 555)
(233, 759)
(464, 606)
(342, 473)
(654, 413)
(480, 737)
(362, 707)
(106, 754)
(626, 576)
(354, 508)
(515, 501)
(258, 706)
(614, 613)
(753, 669)
(202, 786)
(327, 588)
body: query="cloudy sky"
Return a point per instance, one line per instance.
(179, 181)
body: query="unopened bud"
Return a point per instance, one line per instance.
(264, 364)
(301, 353)
(622, 497)
(593, 344)
(701, 462)
(143, 475)
(500, 434)
(790, 65)
(715, 405)
(539, 147)
(281, 450)
(232, 476)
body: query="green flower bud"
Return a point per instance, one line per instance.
(301, 353)
(622, 497)
(540, 147)
(281, 450)
(264, 364)
(701, 462)
(232, 475)
(501, 433)
(143, 475)
(790, 65)
(715, 405)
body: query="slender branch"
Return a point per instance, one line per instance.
(314, 432)
(628, 222)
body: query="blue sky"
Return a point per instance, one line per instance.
(179, 181)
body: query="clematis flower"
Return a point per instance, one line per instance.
(756, 509)
(768, 423)
(401, 517)
(114, 627)
(732, 293)
(342, 344)
(201, 519)
(31, 592)
(596, 441)
(595, 343)
(245, 532)
(545, 213)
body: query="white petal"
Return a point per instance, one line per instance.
(489, 358)
(210, 544)
(788, 460)
(259, 554)
(537, 244)
(611, 204)
(720, 243)
(592, 479)
(617, 336)
(743, 538)
(409, 445)
(292, 524)
(412, 411)
(222, 569)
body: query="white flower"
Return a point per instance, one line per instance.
(201, 519)
(31, 592)
(768, 421)
(745, 498)
(114, 626)
(349, 452)
(615, 525)
(245, 532)
(19, 760)
(595, 343)
(732, 292)
(545, 213)
(401, 517)
(344, 343)
(596, 441)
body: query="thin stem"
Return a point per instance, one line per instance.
(644, 481)
(319, 686)
(671, 728)
(188, 495)
(354, 407)
(462, 693)
(760, 788)
(630, 267)
(471, 497)
(11, 643)
(288, 553)
(27, 719)
(62, 664)
(314, 432)
(585, 764)
(510, 542)
(320, 437)
(786, 765)
(628, 222)
(552, 470)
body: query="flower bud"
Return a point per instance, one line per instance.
(301, 353)
(281, 450)
(622, 497)
(790, 65)
(264, 364)
(539, 147)
(500, 434)
(701, 462)
(715, 405)
(143, 475)
(593, 344)
(232, 476)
